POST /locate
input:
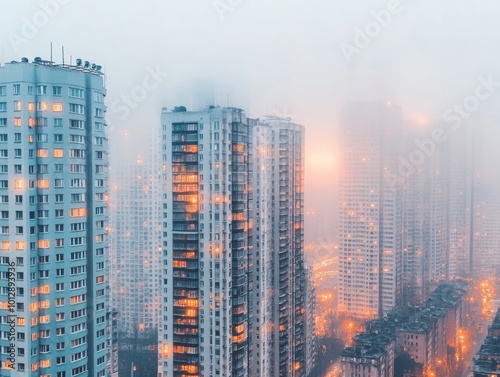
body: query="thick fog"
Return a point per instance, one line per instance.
(295, 58)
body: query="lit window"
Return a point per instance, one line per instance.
(43, 244)
(58, 152)
(57, 107)
(17, 122)
(31, 107)
(18, 183)
(19, 245)
(78, 212)
(32, 122)
(5, 245)
(43, 183)
(18, 106)
(42, 153)
(41, 106)
(44, 318)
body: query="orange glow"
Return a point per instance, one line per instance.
(321, 160)
(42, 153)
(78, 212)
(179, 264)
(57, 107)
(43, 244)
(58, 153)
(43, 183)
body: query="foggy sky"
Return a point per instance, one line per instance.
(274, 57)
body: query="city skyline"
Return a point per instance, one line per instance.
(235, 188)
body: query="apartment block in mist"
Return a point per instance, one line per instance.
(234, 278)
(425, 211)
(135, 223)
(370, 223)
(54, 288)
(282, 294)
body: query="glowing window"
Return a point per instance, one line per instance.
(78, 212)
(43, 244)
(57, 107)
(42, 153)
(43, 183)
(17, 122)
(58, 152)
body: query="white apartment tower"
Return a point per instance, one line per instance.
(54, 289)
(207, 280)
(282, 337)
(370, 210)
(234, 276)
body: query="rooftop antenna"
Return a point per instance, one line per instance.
(62, 48)
(50, 52)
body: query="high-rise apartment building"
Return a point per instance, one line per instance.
(460, 201)
(370, 224)
(207, 243)
(54, 290)
(425, 211)
(280, 300)
(234, 277)
(136, 252)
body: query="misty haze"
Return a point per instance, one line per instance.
(249, 188)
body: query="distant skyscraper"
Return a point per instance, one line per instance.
(54, 290)
(460, 170)
(425, 209)
(234, 278)
(136, 243)
(280, 300)
(370, 239)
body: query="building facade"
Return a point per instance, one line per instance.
(135, 232)
(234, 277)
(370, 236)
(54, 287)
